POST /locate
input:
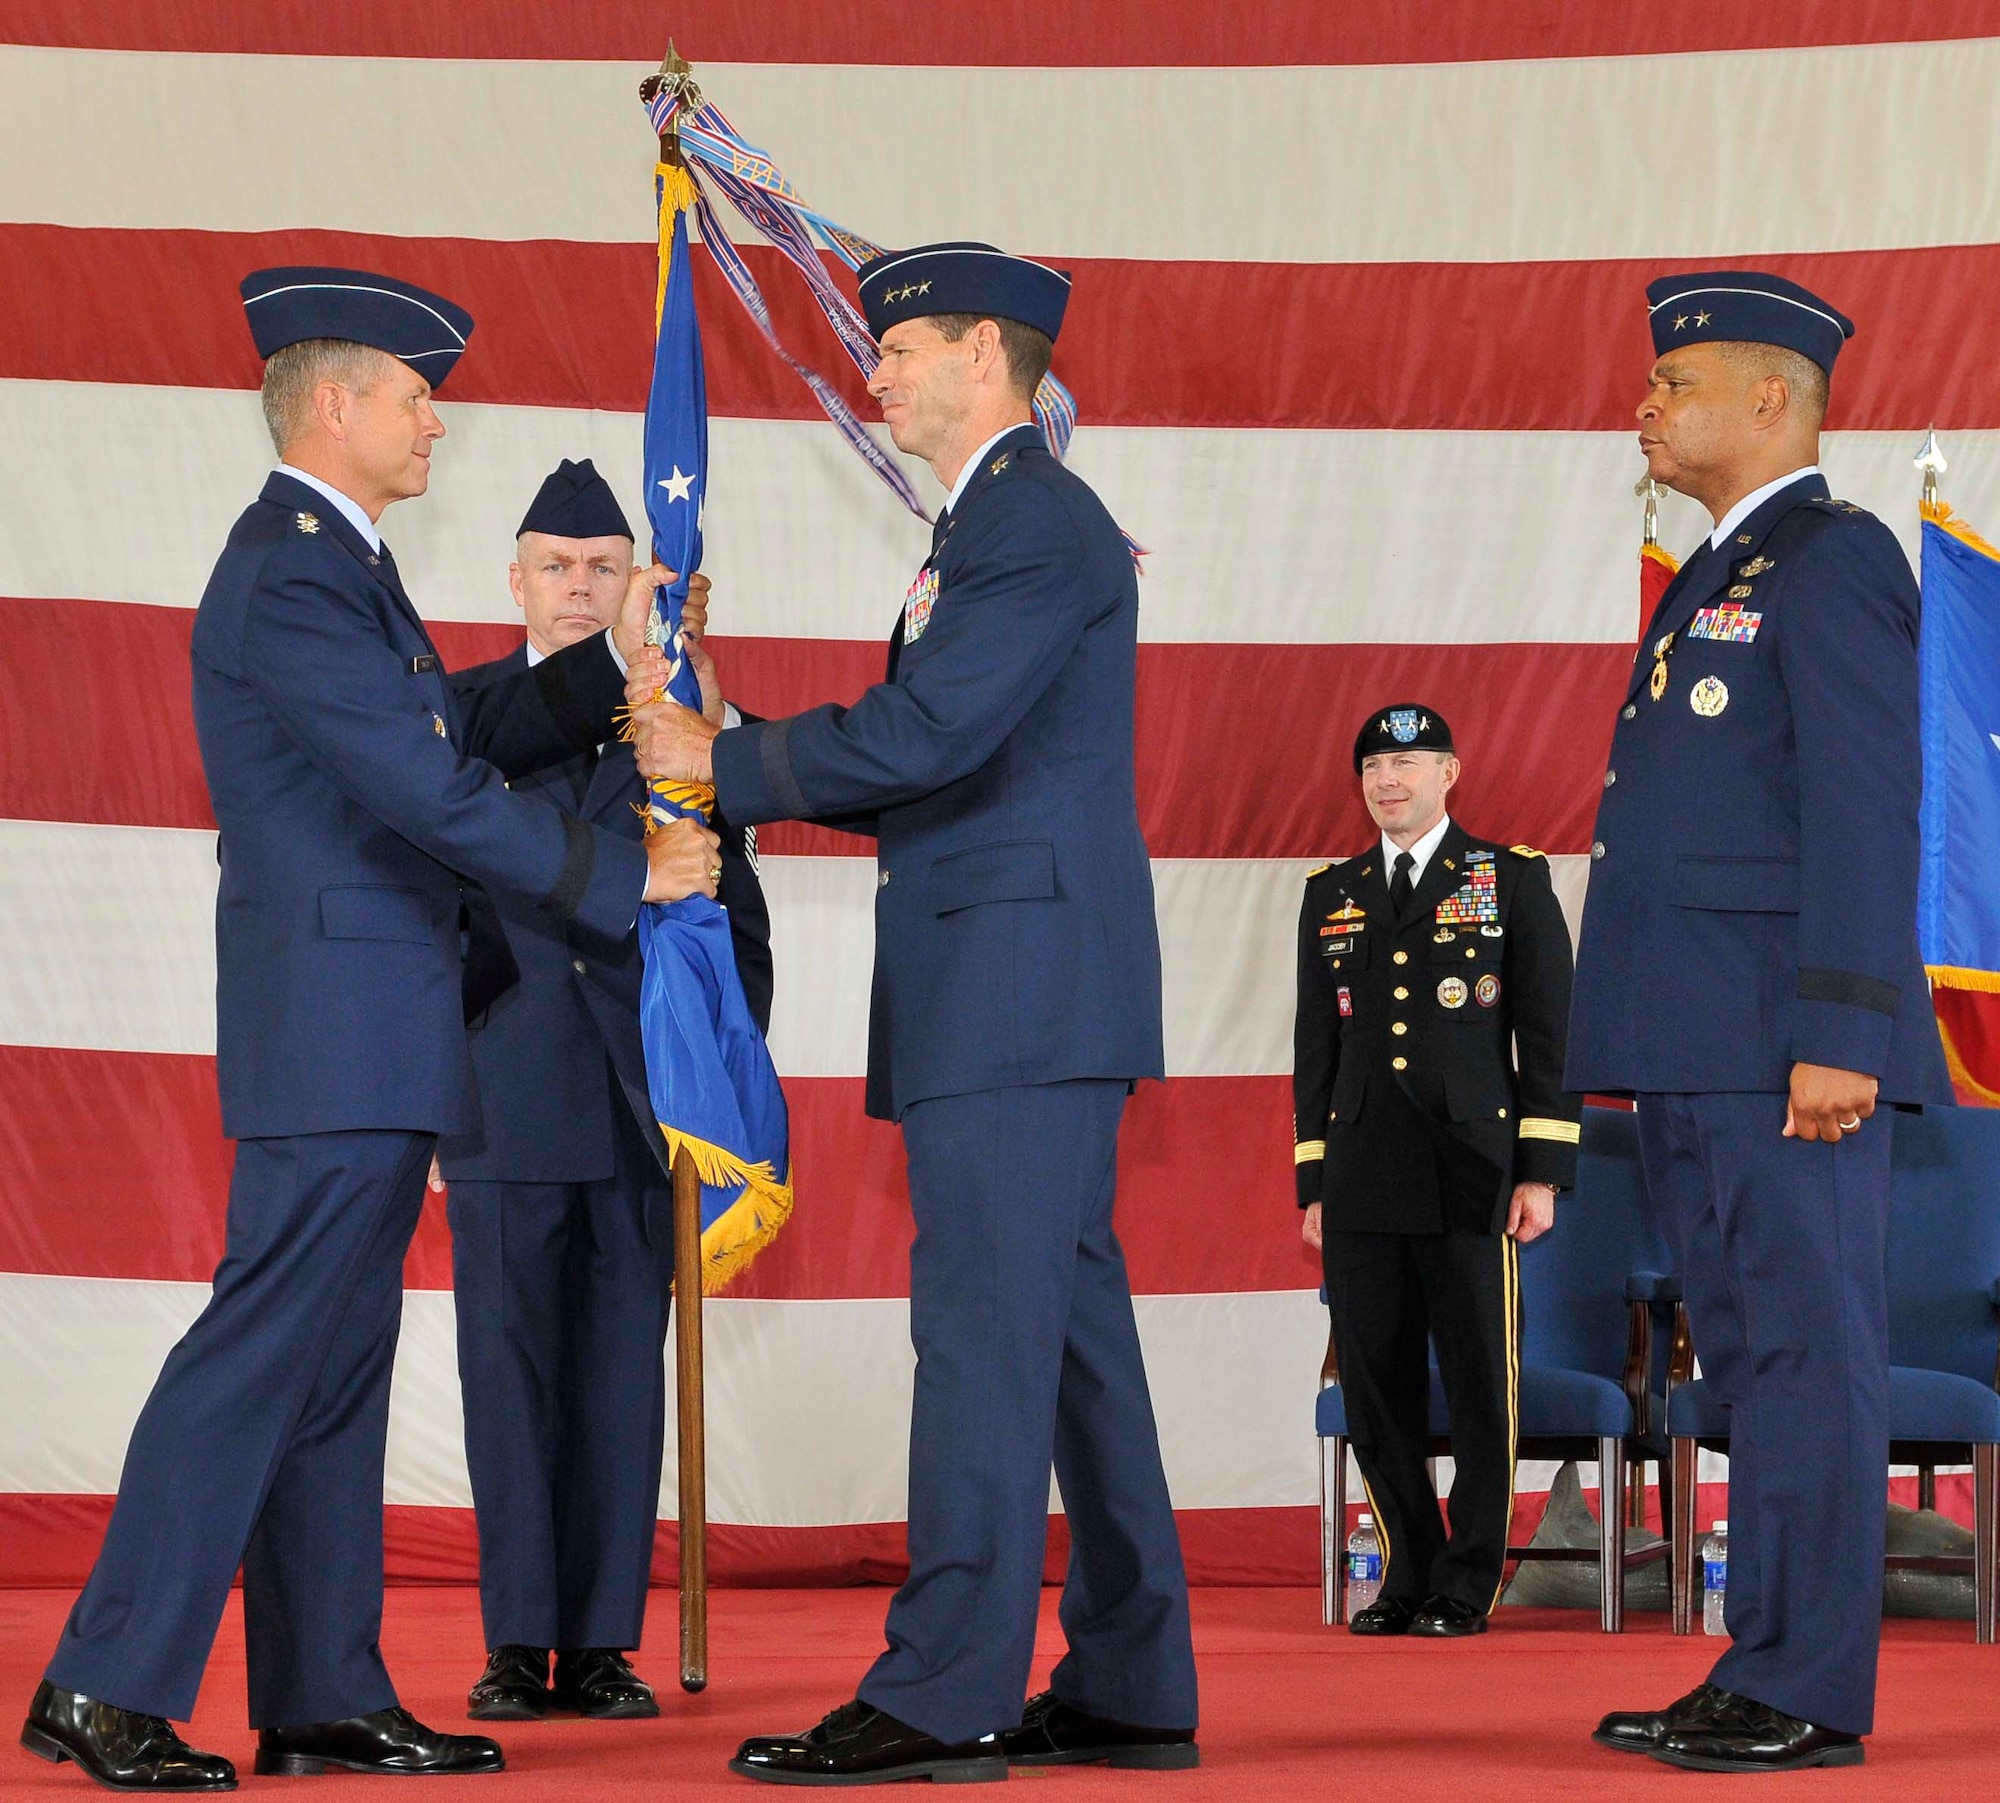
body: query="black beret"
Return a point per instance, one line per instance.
(1402, 726)
(962, 278)
(1744, 306)
(288, 306)
(575, 502)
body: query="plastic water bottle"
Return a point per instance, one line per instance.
(1714, 1578)
(1364, 1566)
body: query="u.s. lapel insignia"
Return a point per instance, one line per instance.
(1708, 697)
(306, 522)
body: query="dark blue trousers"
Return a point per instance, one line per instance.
(562, 1299)
(1028, 1355)
(262, 1446)
(1782, 1245)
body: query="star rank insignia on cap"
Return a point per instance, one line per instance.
(307, 522)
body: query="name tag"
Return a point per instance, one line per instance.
(917, 605)
(418, 665)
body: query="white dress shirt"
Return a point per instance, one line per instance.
(1751, 502)
(1421, 851)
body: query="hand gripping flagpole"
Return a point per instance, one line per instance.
(691, 1401)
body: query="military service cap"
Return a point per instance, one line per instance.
(575, 502)
(288, 306)
(962, 278)
(1745, 306)
(1404, 726)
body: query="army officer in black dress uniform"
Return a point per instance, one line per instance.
(1426, 1154)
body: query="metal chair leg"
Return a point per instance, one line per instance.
(1681, 1575)
(1333, 1530)
(1985, 1541)
(1611, 1535)
(1637, 1518)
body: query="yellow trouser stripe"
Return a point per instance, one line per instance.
(1567, 1133)
(1510, 1286)
(1307, 1150)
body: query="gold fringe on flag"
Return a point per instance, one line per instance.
(750, 1223)
(1939, 514)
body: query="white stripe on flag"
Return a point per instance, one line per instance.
(1777, 150)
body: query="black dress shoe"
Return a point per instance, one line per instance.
(121, 1750)
(599, 1681)
(1637, 1731)
(1385, 1615)
(1052, 1733)
(1743, 1735)
(513, 1688)
(858, 1744)
(388, 1742)
(1446, 1618)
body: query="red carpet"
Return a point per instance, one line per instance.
(1290, 1710)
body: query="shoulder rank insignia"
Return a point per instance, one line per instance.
(1319, 870)
(1524, 851)
(306, 522)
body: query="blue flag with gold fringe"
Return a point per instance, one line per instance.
(1958, 903)
(714, 1089)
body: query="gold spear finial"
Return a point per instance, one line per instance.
(1650, 492)
(1930, 459)
(676, 76)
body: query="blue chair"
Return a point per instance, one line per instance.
(1944, 1347)
(1595, 1362)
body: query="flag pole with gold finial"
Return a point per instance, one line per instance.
(689, 1385)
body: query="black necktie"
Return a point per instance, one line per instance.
(582, 768)
(1399, 884)
(942, 526)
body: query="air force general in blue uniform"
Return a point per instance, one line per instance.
(1752, 909)
(356, 785)
(1016, 1001)
(562, 1253)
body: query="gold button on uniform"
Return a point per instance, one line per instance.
(1399, 1028)
(1402, 994)
(1402, 958)
(1400, 1064)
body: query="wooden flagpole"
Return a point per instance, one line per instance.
(690, 1389)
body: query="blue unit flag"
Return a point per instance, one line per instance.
(715, 1091)
(1958, 897)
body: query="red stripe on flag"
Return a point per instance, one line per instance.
(1969, 1024)
(1404, 346)
(1244, 750)
(1025, 33)
(52, 1541)
(145, 1197)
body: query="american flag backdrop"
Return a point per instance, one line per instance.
(1358, 324)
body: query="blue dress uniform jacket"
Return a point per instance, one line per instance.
(1752, 897)
(994, 766)
(1753, 905)
(356, 784)
(345, 771)
(538, 1049)
(1017, 997)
